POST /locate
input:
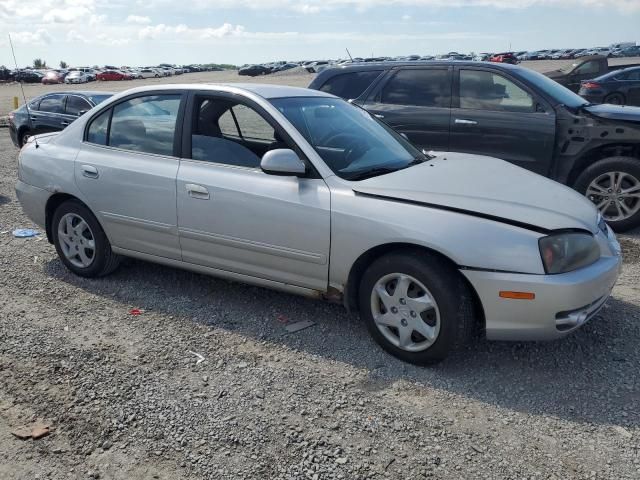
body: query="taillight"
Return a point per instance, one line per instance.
(11, 116)
(590, 85)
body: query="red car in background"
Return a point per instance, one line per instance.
(113, 75)
(506, 57)
(52, 77)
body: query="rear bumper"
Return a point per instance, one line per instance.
(33, 201)
(562, 303)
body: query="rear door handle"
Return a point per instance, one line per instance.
(378, 115)
(89, 171)
(64, 123)
(462, 121)
(197, 191)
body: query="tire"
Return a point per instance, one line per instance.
(103, 260)
(450, 323)
(615, 99)
(594, 183)
(23, 136)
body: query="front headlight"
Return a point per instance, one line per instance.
(565, 252)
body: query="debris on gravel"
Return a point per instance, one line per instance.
(206, 385)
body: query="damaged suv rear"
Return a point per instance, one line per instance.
(507, 112)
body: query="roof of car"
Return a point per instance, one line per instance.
(418, 63)
(263, 90)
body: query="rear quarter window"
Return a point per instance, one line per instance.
(350, 85)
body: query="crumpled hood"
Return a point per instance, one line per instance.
(489, 187)
(615, 112)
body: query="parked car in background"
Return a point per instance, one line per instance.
(620, 87)
(341, 207)
(51, 113)
(113, 75)
(507, 112)
(76, 76)
(633, 51)
(53, 77)
(584, 68)
(149, 73)
(254, 70)
(88, 71)
(506, 57)
(28, 76)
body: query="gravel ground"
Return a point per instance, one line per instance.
(297, 77)
(126, 398)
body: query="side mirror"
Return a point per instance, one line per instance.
(283, 162)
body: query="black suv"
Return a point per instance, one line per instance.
(51, 113)
(507, 112)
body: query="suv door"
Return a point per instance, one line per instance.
(50, 114)
(498, 116)
(416, 101)
(127, 168)
(236, 218)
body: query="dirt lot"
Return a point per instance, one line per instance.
(296, 78)
(126, 398)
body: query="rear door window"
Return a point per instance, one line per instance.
(418, 87)
(52, 104)
(76, 104)
(350, 85)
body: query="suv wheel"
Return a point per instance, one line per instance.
(416, 306)
(613, 185)
(80, 241)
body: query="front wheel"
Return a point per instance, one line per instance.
(416, 306)
(80, 241)
(613, 185)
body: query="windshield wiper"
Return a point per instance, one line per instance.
(374, 172)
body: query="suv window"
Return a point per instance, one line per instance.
(588, 68)
(52, 104)
(482, 90)
(76, 104)
(350, 85)
(145, 124)
(419, 87)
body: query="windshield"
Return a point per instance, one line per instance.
(351, 142)
(560, 94)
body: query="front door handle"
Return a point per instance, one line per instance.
(89, 171)
(197, 191)
(378, 115)
(462, 121)
(64, 123)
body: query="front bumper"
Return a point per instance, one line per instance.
(33, 201)
(562, 302)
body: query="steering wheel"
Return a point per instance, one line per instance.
(353, 146)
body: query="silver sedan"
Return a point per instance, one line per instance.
(300, 191)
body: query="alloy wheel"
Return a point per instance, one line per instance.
(616, 195)
(405, 312)
(76, 240)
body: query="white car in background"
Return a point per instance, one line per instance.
(149, 73)
(76, 77)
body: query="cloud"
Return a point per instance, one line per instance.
(138, 20)
(66, 15)
(182, 32)
(39, 37)
(406, 17)
(316, 6)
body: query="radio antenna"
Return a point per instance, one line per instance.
(348, 53)
(24, 97)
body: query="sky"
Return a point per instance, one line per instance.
(148, 32)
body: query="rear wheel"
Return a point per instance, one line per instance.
(615, 99)
(23, 136)
(80, 241)
(613, 185)
(416, 306)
